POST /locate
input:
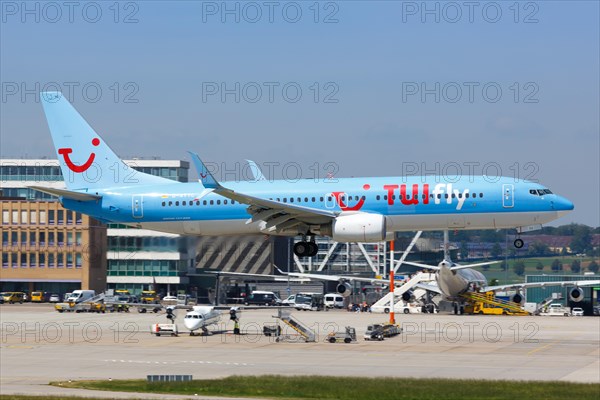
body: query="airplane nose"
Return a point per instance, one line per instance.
(563, 204)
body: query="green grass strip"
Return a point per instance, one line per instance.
(348, 388)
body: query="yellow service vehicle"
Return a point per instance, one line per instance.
(148, 296)
(38, 297)
(487, 303)
(80, 307)
(13, 297)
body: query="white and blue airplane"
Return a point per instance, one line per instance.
(370, 209)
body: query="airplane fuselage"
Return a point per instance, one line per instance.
(454, 283)
(419, 203)
(201, 317)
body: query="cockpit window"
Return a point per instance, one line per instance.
(533, 192)
(547, 191)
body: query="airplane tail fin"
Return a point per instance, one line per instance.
(86, 161)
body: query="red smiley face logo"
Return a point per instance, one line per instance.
(65, 151)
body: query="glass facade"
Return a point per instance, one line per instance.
(146, 267)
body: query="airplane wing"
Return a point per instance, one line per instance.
(304, 277)
(263, 276)
(453, 268)
(431, 288)
(277, 215)
(541, 284)
(334, 278)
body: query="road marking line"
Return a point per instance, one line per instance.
(543, 347)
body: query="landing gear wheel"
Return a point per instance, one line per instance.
(313, 249)
(518, 243)
(302, 249)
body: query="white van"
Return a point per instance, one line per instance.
(81, 295)
(334, 300)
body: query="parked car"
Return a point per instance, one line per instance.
(54, 298)
(597, 311)
(577, 312)
(13, 297)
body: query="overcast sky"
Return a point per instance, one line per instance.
(372, 88)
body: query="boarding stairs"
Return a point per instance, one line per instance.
(96, 299)
(420, 277)
(545, 303)
(489, 299)
(302, 329)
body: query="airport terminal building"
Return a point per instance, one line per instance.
(46, 247)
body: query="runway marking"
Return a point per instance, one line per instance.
(179, 362)
(543, 347)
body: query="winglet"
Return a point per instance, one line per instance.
(204, 175)
(256, 172)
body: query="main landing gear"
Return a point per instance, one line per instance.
(306, 249)
(518, 243)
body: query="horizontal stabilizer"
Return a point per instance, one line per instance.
(67, 193)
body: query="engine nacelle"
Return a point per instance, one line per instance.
(576, 294)
(407, 296)
(360, 227)
(344, 288)
(517, 298)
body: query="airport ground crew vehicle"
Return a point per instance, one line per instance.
(348, 336)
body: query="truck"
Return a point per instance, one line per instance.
(556, 309)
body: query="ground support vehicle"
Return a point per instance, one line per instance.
(556, 310)
(347, 336)
(487, 303)
(164, 329)
(80, 307)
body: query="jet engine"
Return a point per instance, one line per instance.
(406, 296)
(517, 298)
(171, 314)
(344, 288)
(576, 294)
(359, 227)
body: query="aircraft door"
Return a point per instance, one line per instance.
(508, 199)
(137, 206)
